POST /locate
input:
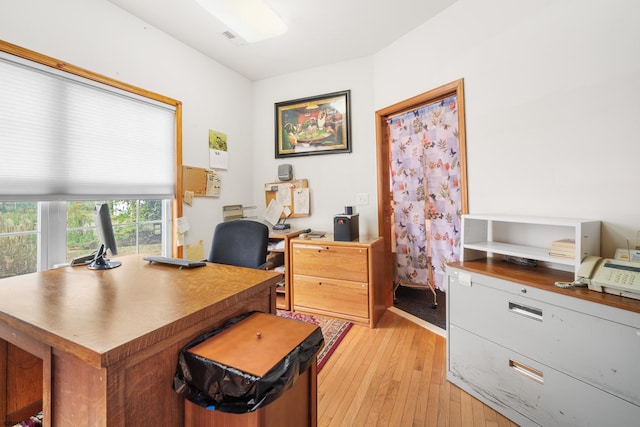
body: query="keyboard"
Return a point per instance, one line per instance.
(182, 263)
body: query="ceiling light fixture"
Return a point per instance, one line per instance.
(253, 20)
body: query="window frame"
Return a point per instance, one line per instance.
(49, 235)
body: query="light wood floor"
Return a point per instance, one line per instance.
(395, 375)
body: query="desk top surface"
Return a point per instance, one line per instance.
(90, 313)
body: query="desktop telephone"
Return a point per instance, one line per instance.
(608, 275)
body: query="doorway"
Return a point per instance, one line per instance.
(422, 193)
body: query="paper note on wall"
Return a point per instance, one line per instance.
(188, 197)
(301, 200)
(214, 184)
(274, 210)
(195, 252)
(283, 195)
(182, 224)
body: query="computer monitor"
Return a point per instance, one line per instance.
(107, 238)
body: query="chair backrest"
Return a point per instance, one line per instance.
(240, 242)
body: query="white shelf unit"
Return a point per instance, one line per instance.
(530, 237)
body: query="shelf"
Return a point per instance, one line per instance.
(525, 219)
(522, 251)
(528, 237)
(279, 244)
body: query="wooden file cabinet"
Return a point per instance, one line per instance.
(338, 279)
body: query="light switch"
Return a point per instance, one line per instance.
(362, 199)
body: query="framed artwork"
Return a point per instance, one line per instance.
(315, 125)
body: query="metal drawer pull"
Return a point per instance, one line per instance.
(523, 310)
(314, 247)
(527, 371)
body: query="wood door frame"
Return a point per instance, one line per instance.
(456, 87)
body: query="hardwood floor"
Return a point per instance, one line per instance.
(395, 375)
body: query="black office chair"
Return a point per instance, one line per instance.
(240, 242)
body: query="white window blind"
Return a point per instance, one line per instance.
(64, 137)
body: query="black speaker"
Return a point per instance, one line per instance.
(285, 173)
(346, 228)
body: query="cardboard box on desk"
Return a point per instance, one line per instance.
(346, 227)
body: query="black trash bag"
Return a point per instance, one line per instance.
(213, 385)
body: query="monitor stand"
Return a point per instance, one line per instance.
(101, 263)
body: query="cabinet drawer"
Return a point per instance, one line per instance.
(586, 347)
(510, 381)
(338, 296)
(338, 262)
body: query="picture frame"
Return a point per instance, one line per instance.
(314, 125)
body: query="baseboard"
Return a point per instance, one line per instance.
(426, 325)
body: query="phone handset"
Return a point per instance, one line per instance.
(585, 272)
(588, 266)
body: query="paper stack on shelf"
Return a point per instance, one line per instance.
(280, 269)
(565, 248)
(276, 245)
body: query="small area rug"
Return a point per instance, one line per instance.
(333, 331)
(419, 302)
(35, 421)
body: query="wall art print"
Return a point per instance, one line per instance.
(315, 125)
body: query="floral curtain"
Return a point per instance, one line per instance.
(426, 196)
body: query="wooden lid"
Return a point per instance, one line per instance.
(255, 344)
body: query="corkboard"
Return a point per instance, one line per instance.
(196, 180)
(285, 193)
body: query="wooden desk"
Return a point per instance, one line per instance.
(109, 340)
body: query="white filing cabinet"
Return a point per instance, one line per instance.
(542, 355)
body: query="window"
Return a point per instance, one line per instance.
(140, 226)
(69, 137)
(18, 238)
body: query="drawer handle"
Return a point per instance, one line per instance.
(527, 371)
(523, 310)
(326, 284)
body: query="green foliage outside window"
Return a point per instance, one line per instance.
(137, 225)
(18, 251)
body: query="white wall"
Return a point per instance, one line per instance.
(98, 36)
(552, 111)
(550, 91)
(334, 179)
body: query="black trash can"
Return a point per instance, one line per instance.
(250, 368)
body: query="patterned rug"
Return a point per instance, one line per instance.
(35, 421)
(333, 331)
